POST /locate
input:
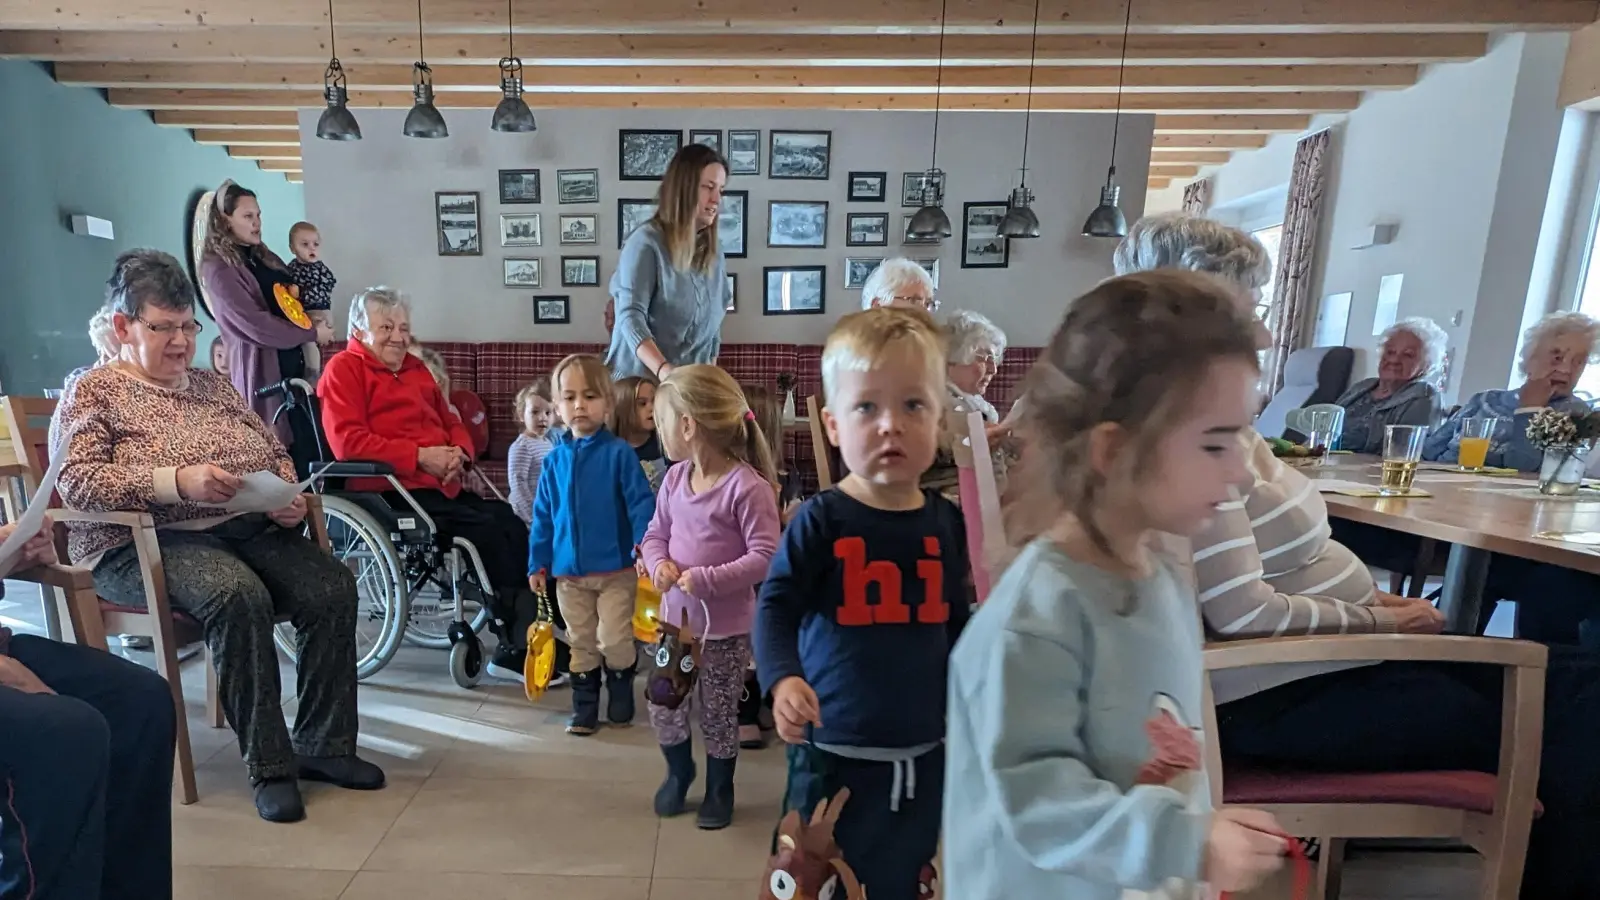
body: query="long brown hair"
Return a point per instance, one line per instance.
(219, 232)
(677, 204)
(625, 409)
(763, 401)
(714, 400)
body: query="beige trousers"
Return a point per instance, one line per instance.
(598, 610)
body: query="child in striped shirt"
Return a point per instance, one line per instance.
(538, 438)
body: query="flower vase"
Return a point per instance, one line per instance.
(1561, 472)
(789, 417)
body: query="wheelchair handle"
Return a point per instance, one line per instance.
(282, 387)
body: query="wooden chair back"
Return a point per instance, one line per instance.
(820, 448)
(29, 420)
(980, 495)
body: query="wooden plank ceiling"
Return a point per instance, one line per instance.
(1221, 76)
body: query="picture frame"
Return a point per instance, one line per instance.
(913, 188)
(579, 228)
(519, 186)
(799, 155)
(521, 230)
(797, 223)
(982, 244)
(866, 229)
(577, 185)
(644, 153)
(794, 290)
(868, 187)
(905, 232)
(521, 272)
(857, 269)
(931, 266)
(552, 310)
(733, 224)
(733, 293)
(744, 152)
(711, 137)
(630, 215)
(457, 222)
(580, 271)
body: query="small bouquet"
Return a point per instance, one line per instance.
(1553, 429)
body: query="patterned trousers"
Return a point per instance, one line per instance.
(237, 578)
(716, 692)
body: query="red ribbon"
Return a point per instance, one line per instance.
(1302, 868)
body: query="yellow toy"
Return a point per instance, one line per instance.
(646, 612)
(540, 665)
(289, 301)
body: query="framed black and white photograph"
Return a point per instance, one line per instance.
(643, 154)
(578, 185)
(630, 215)
(866, 230)
(520, 230)
(580, 228)
(733, 226)
(914, 189)
(868, 187)
(552, 310)
(797, 223)
(744, 152)
(733, 293)
(711, 137)
(522, 273)
(580, 271)
(931, 266)
(800, 154)
(982, 244)
(905, 231)
(456, 215)
(857, 269)
(794, 290)
(519, 186)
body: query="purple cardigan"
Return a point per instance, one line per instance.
(252, 335)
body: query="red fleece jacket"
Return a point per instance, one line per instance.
(373, 414)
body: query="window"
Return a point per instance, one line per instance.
(1270, 237)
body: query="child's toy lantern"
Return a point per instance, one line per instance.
(809, 864)
(646, 610)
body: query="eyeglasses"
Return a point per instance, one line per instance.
(987, 359)
(190, 328)
(931, 304)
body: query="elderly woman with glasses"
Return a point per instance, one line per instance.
(900, 282)
(1411, 352)
(973, 347)
(148, 433)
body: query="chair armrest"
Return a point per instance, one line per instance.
(1374, 648)
(56, 575)
(353, 468)
(130, 519)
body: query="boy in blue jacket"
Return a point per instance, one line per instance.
(864, 599)
(590, 510)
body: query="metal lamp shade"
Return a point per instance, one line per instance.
(424, 120)
(1107, 220)
(1020, 220)
(929, 222)
(337, 123)
(512, 115)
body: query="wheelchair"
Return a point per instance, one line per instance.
(412, 585)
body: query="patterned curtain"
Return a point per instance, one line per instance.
(1293, 306)
(1197, 197)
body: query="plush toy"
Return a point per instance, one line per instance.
(809, 864)
(677, 664)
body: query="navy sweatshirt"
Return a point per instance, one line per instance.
(590, 508)
(865, 604)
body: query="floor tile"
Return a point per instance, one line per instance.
(738, 853)
(211, 882)
(692, 889)
(478, 886)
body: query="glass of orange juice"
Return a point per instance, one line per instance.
(1476, 434)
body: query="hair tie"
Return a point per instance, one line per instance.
(749, 415)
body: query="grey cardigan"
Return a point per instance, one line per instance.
(681, 311)
(1417, 403)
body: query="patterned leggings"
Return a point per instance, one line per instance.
(717, 691)
(236, 579)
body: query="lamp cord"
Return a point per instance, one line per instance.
(938, 90)
(511, 31)
(333, 40)
(1027, 120)
(1122, 65)
(422, 56)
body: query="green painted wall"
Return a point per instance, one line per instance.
(66, 152)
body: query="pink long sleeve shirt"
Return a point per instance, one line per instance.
(724, 538)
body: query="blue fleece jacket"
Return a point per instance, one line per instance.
(590, 509)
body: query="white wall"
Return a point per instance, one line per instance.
(373, 201)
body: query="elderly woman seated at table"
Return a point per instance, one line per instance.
(1410, 353)
(1555, 351)
(900, 282)
(148, 433)
(973, 347)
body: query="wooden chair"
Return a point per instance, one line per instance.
(29, 421)
(980, 496)
(820, 448)
(1490, 813)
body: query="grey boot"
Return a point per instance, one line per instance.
(680, 774)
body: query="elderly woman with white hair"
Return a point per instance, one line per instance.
(973, 347)
(1410, 353)
(1555, 351)
(899, 282)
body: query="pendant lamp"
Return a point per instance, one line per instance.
(1107, 219)
(336, 123)
(512, 115)
(424, 120)
(1020, 220)
(931, 221)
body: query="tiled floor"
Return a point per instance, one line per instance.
(488, 799)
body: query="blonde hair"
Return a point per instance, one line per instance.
(538, 387)
(298, 227)
(595, 374)
(763, 401)
(860, 341)
(677, 206)
(102, 335)
(624, 418)
(714, 401)
(434, 360)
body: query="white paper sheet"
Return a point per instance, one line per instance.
(32, 519)
(262, 492)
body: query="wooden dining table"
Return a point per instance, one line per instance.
(1478, 516)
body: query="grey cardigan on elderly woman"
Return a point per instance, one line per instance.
(680, 310)
(1416, 403)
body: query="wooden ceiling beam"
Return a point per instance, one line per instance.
(1190, 157)
(1229, 124)
(248, 137)
(1158, 184)
(615, 16)
(294, 177)
(264, 152)
(280, 165)
(1137, 79)
(1260, 101)
(309, 44)
(1209, 141)
(252, 119)
(1174, 171)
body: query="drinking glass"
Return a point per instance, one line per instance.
(1402, 450)
(1476, 434)
(1322, 428)
(53, 393)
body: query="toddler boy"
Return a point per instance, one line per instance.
(316, 283)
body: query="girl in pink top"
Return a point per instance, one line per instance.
(708, 546)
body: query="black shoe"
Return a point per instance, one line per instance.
(347, 772)
(680, 774)
(619, 695)
(716, 810)
(585, 703)
(507, 662)
(278, 800)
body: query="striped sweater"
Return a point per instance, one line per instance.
(1267, 567)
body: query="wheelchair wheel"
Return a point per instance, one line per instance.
(360, 543)
(433, 611)
(466, 662)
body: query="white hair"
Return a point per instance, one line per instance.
(1179, 241)
(1433, 339)
(965, 332)
(383, 297)
(102, 335)
(892, 274)
(1557, 325)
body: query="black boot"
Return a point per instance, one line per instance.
(680, 774)
(716, 810)
(585, 703)
(619, 695)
